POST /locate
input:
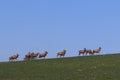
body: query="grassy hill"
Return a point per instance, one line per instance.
(104, 67)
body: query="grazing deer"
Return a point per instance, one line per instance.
(89, 51)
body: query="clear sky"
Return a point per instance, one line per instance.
(54, 25)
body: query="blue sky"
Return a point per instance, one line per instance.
(52, 25)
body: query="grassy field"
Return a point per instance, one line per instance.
(104, 67)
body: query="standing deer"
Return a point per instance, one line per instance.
(61, 53)
(43, 54)
(31, 56)
(89, 51)
(35, 55)
(97, 50)
(82, 51)
(14, 57)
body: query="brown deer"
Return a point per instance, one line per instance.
(43, 54)
(82, 51)
(14, 57)
(28, 56)
(61, 53)
(35, 55)
(89, 51)
(97, 50)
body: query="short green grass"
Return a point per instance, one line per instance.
(103, 67)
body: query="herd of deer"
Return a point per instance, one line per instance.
(89, 51)
(61, 54)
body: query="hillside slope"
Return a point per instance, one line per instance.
(104, 67)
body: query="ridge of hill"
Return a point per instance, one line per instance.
(102, 67)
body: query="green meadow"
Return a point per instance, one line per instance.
(102, 67)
